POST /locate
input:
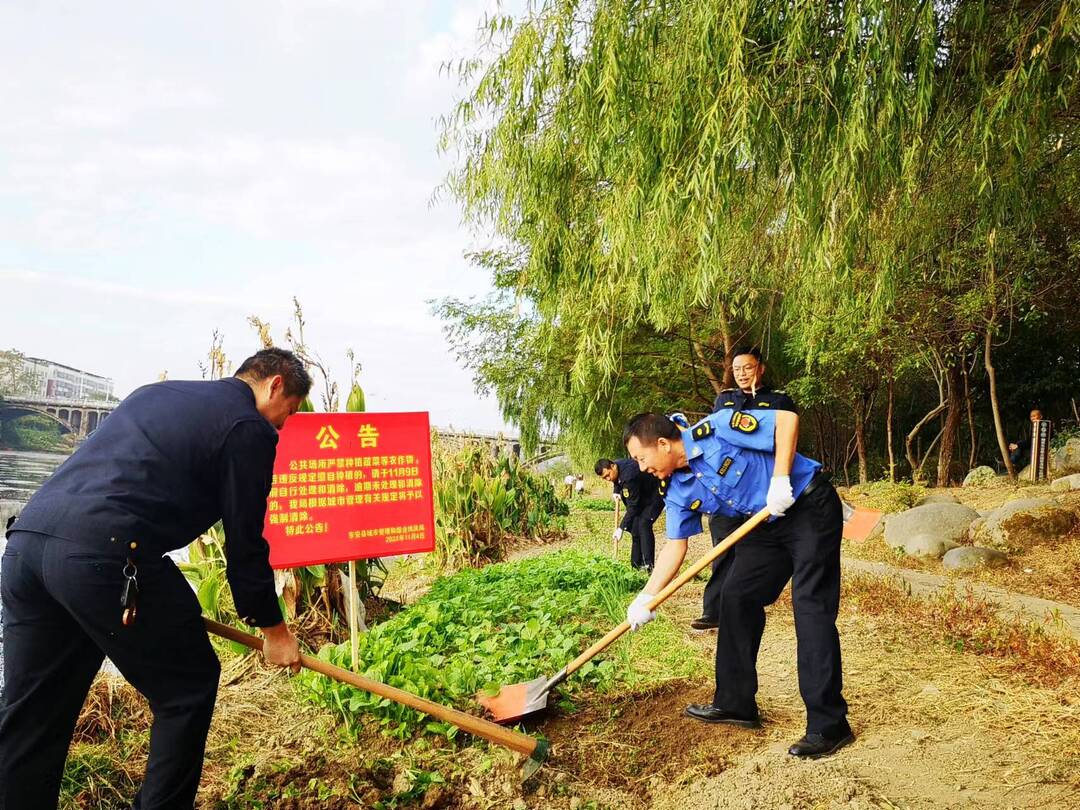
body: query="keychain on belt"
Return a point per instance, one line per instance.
(130, 594)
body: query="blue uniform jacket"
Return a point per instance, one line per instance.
(730, 462)
(640, 492)
(171, 460)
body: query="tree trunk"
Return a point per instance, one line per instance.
(953, 416)
(729, 347)
(973, 449)
(909, 441)
(888, 433)
(860, 439)
(710, 374)
(999, 429)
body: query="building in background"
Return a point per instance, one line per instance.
(55, 381)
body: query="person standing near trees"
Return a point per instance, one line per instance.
(743, 461)
(84, 574)
(640, 494)
(748, 370)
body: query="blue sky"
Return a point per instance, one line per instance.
(167, 169)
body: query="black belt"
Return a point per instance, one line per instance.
(820, 480)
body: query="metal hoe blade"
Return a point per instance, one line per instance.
(516, 701)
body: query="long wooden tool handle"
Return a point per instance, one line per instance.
(476, 726)
(672, 586)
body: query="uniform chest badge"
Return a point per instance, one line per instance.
(725, 466)
(744, 422)
(696, 504)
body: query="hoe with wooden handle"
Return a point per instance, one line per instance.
(521, 699)
(536, 749)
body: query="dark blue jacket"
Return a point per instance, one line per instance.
(640, 492)
(172, 460)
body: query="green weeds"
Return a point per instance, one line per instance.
(481, 629)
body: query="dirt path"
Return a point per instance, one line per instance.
(933, 731)
(1062, 615)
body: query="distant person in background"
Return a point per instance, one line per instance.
(640, 492)
(579, 485)
(1020, 451)
(569, 482)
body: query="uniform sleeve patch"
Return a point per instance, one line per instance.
(725, 466)
(702, 430)
(696, 504)
(743, 422)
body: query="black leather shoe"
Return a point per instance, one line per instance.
(707, 713)
(705, 623)
(815, 746)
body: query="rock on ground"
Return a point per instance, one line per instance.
(1065, 483)
(979, 476)
(968, 557)
(1025, 522)
(938, 497)
(929, 530)
(1067, 456)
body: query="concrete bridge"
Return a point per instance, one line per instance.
(80, 417)
(500, 444)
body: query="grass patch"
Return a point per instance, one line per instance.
(480, 630)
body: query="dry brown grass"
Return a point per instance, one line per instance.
(969, 624)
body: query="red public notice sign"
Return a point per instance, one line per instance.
(350, 486)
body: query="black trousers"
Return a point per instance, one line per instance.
(643, 545)
(803, 546)
(61, 618)
(720, 526)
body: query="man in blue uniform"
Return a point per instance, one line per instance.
(640, 493)
(84, 574)
(737, 462)
(752, 393)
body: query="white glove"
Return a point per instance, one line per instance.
(638, 614)
(617, 535)
(779, 497)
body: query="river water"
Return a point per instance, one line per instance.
(22, 473)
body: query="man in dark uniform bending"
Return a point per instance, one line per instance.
(640, 493)
(168, 463)
(748, 369)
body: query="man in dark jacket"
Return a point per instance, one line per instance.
(640, 493)
(84, 574)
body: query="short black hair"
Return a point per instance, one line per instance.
(753, 351)
(648, 427)
(602, 464)
(268, 362)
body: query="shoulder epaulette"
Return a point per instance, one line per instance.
(663, 486)
(701, 430)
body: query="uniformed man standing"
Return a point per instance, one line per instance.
(84, 574)
(640, 494)
(748, 369)
(740, 460)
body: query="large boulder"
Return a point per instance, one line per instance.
(979, 477)
(1065, 483)
(966, 558)
(1025, 522)
(929, 530)
(1067, 456)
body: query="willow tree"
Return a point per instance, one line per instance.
(665, 160)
